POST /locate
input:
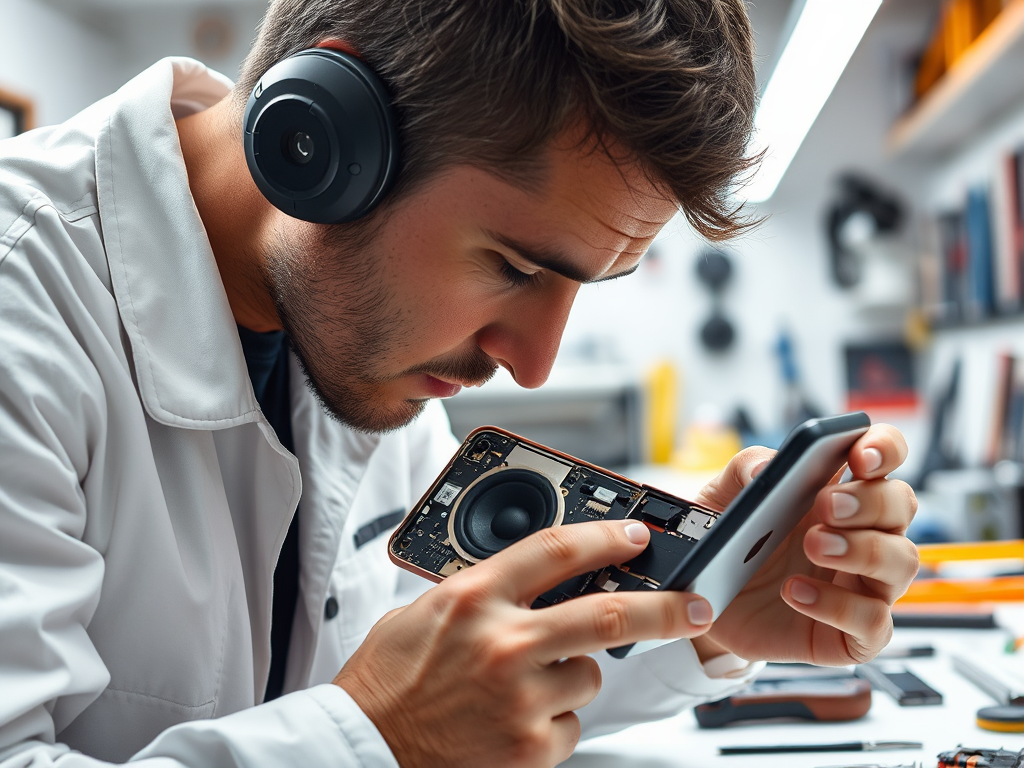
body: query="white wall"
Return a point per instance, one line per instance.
(59, 62)
(65, 55)
(152, 32)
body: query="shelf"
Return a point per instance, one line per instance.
(985, 82)
(993, 321)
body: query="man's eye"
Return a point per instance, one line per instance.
(516, 277)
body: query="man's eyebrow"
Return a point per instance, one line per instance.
(554, 261)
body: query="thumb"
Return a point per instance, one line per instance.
(742, 468)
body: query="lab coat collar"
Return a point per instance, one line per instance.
(188, 360)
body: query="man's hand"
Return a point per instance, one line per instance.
(824, 595)
(468, 675)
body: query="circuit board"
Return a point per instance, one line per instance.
(424, 540)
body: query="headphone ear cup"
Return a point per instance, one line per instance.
(320, 137)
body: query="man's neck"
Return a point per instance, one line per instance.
(233, 211)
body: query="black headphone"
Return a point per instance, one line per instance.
(320, 137)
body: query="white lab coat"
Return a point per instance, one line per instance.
(144, 497)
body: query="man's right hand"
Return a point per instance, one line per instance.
(468, 675)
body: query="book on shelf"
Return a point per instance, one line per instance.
(1006, 235)
(972, 263)
(979, 301)
(1007, 436)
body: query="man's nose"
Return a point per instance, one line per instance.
(525, 338)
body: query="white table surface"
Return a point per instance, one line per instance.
(679, 743)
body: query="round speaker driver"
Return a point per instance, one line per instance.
(501, 507)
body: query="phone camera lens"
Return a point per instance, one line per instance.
(301, 148)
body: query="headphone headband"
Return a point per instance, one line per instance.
(320, 137)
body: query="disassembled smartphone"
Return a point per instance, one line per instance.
(500, 487)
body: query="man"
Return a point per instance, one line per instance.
(158, 600)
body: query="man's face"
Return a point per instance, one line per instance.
(467, 273)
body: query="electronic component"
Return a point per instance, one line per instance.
(660, 512)
(980, 758)
(899, 682)
(696, 524)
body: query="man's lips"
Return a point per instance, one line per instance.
(438, 388)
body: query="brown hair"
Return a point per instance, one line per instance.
(492, 82)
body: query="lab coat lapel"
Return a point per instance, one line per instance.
(188, 360)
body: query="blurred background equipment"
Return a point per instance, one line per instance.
(662, 411)
(591, 412)
(880, 376)
(708, 443)
(797, 406)
(714, 270)
(860, 215)
(16, 114)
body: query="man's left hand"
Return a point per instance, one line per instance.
(824, 596)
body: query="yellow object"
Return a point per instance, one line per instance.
(1000, 727)
(707, 448)
(994, 588)
(916, 330)
(1004, 718)
(997, 588)
(662, 411)
(933, 554)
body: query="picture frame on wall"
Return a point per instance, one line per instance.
(16, 114)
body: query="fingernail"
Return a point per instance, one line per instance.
(699, 612)
(833, 545)
(636, 533)
(844, 505)
(872, 459)
(803, 592)
(757, 470)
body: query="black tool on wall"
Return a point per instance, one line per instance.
(857, 199)
(714, 270)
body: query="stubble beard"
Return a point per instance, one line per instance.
(344, 324)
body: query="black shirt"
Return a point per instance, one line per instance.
(266, 357)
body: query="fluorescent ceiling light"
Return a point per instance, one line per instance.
(823, 40)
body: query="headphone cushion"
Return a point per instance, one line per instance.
(320, 137)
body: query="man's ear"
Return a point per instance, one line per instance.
(337, 44)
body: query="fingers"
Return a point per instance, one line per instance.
(547, 558)
(887, 558)
(865, 620)
(565, 733)
(570, 683)
(742, 468)
(596, 622)
(878, 452)
(887, 505)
